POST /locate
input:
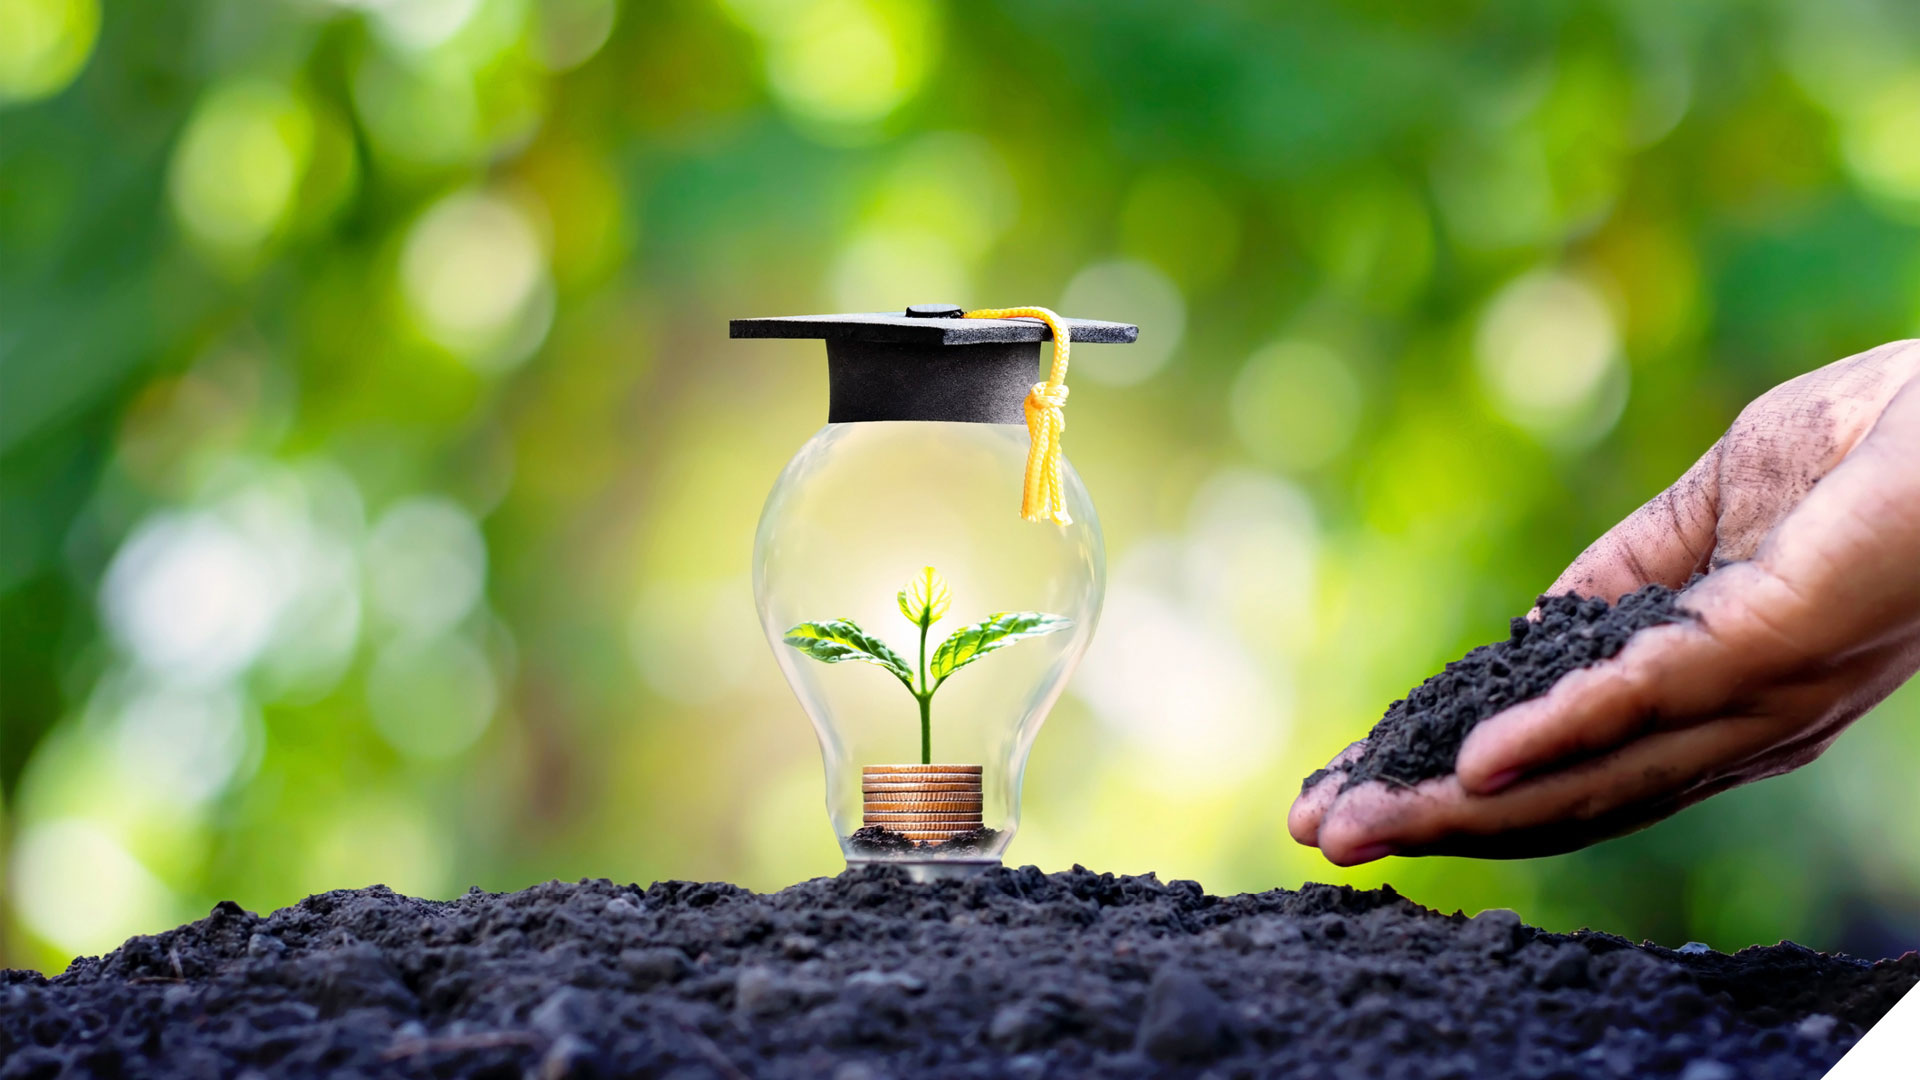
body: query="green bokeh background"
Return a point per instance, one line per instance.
(379, 483)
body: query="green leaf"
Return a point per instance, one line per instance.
(837, 640)
(970, 643)
(925, 598)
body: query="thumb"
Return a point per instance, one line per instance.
(1666, 541)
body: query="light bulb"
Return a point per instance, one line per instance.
(884, 526)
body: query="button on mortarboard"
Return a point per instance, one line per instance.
(928, 363)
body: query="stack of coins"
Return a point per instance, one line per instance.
(925, 803)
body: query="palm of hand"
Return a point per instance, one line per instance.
(1806, 518)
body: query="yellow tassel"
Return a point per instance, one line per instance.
(1044, 497)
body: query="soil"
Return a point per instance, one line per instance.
(878, 840)
(1420, 736)
(1012, 973)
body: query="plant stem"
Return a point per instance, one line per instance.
(926, 728)
(925, 697)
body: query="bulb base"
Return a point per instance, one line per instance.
(922, 871)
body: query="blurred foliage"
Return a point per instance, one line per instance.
(378, 482)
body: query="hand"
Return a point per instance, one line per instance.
(1806, 518)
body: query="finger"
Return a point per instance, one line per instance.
(1361, 823)
(1303, 819)
(1560, 837)
(1587, 711)
(1666, 541)
(1629, 788)
(1665, 677)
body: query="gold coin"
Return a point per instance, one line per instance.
(972, 807)
(870, 770)
(926, 823)
(922, 795)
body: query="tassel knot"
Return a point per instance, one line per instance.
(1044, 497)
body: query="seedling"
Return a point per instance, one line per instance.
(924, 600)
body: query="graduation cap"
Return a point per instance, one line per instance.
(933, 361)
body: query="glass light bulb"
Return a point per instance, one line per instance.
(860, 514)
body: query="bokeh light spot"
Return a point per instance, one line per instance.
(953, 183)
(571, 31)
(474, 276)
(843, 65)
(1295, 405)
(416, 24)
(191, 598)
(318, 624)
(424, 113)
(76, 887)
(431, 698)
(44, 44)
(885, 269)
(262, 574)
(1128, 290)
(1882, 145)
(239, 164)
(1547, 350)
(1496, 197)
(426, 565)
(1173, 683)
(182, 746)
(1252, 556)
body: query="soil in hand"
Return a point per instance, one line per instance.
(878, 840)
(1010, 973)
(1420, 736)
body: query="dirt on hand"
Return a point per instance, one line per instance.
(1013, 973)
(1420, 736)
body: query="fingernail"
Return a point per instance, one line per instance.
(1369, 852)
(1499, 781)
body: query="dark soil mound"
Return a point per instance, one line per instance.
(876, 840)
(1421, 734)
(1011, 973)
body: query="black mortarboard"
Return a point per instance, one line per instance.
(928, 363)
